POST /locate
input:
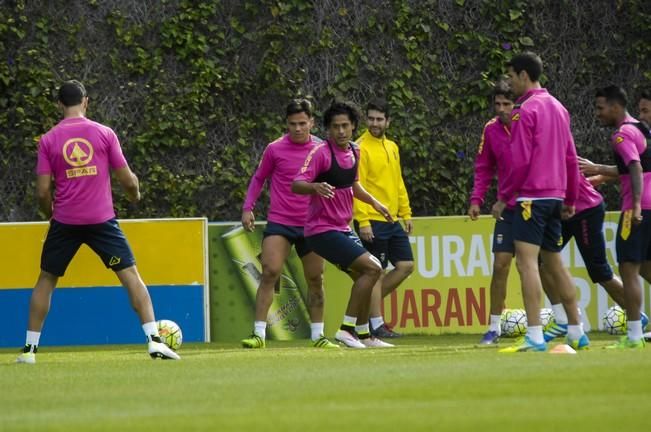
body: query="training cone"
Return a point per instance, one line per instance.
(562, 349)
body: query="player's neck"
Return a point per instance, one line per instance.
(74, 112)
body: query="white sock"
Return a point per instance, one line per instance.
(574, 332)
(634, 331)
(362, 329)
(559, 314)
(260, 329)
(495, 324)
(350, 320)
(317, 330)
(376, 322)
(32, 338)
(535, 334)
(150, 328)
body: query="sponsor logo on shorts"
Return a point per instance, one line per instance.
(526, 210)
(114, 261)
(626, 224)
(500, 239)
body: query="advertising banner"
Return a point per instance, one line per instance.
(89, 305)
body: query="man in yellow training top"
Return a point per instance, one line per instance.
(380, 174)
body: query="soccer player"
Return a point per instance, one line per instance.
(79, 155)
(586, 226)
(329, 176)
(492, 158)
(280, 162)
(380, 174)
(633, 163)
(544, 177)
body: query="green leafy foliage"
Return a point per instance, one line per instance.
(195, 90)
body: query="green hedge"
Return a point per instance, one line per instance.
(196, 89)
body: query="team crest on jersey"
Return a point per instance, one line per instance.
(515, 117)
(619, 139)
(78, 153)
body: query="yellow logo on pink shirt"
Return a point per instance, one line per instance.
(515, 117)
(78, 152)
(619, 139)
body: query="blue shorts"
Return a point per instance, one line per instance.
(106, 239)
(293, 234)
(503, 233)
(539, 222)
(633, 244)
(390, 242)
(337, 247)
(587, 229)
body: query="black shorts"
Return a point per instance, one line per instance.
(293, 234)
(503, 233)
(106, 239)
(337, 247)
(390, 242)
(587, 229)
(539, 222)
(633, 242)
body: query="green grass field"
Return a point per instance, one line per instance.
(427, 383)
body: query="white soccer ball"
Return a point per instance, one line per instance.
(170, 333)
(546, 317)
(614, 320)
(514, 322)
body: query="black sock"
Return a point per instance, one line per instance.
(350, 329)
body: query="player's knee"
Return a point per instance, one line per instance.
(405, 267)
(374, 267)
(271, 272)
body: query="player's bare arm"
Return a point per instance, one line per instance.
(361, 194)
(129, 183)
(305, 188)
(44, 194)
(635, 171)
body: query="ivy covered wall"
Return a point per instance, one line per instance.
(196, 89)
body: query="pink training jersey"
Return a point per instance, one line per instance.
(492, 158)
(629, 143)
(543, 156)
(280, 162)
(588, 198)
(80, 153)
(328, 214)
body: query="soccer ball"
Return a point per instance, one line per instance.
(614, 320)
(546, 317)
(170, 333)
(513, 322)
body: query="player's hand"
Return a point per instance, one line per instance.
(497, 209)
(409, 226)
(366, 234)
(567, 212)
(324, 189)
(248, 220)
(380, 208)
(587, 167)
(637, 214)
(474, 212)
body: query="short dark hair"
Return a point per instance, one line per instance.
(299, 106)
(378, 104)
(613, 94)
(529, 62)
(341, 108)
(503, 88)
(71, 93)
(645, 94)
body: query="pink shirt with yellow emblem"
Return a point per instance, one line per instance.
(629, 143)
(79, 154)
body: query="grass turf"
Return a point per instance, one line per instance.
(426, 383)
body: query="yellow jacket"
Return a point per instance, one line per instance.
(381, 176)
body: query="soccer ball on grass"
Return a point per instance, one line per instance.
(614, 320)
(170, 333)
(513, 322)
